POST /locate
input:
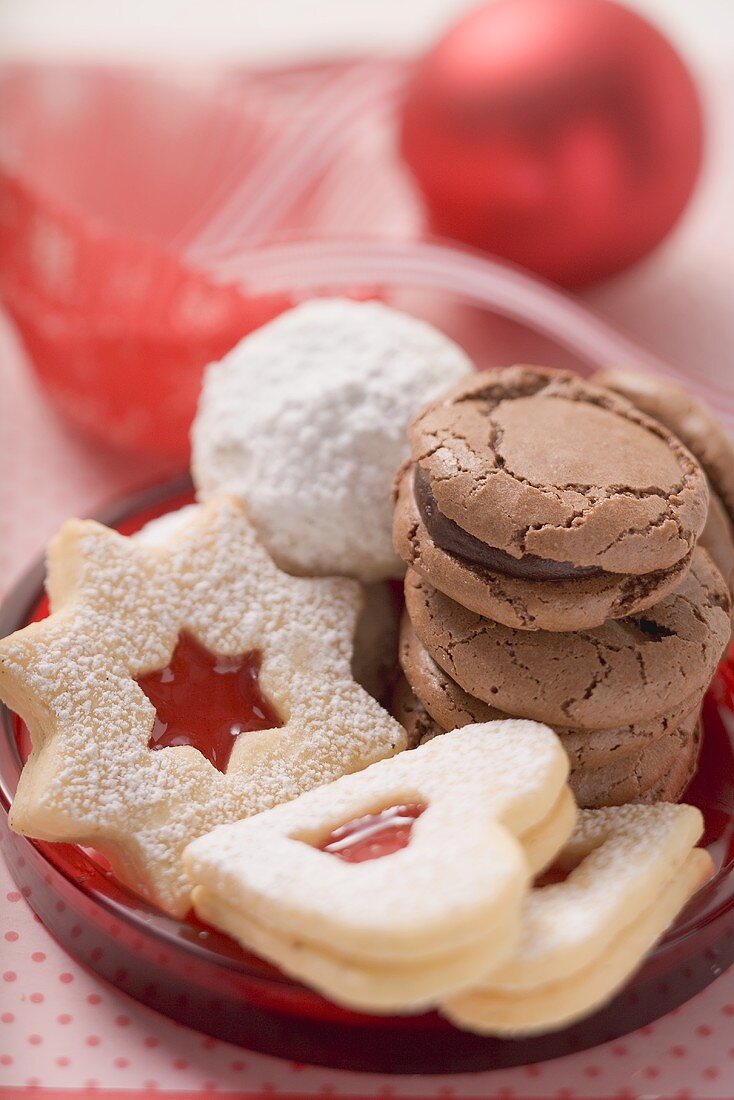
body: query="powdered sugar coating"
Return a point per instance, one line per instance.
(580, 939)
(376, 635)
(118, 608)
(306, 419)
(627, 855)
(157, 531)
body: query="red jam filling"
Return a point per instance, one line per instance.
(206, 701)
(374, 835)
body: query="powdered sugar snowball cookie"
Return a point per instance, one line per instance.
(305, 420)
(179, 685)
(339, 887)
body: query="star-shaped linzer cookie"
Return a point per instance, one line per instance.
(130, 623)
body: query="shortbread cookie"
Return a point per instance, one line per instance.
(367, 986)
(450, 706)
(544, 502)
(100, 773)
(632, 869)
(305, 421)
(156, 532)
(626, 672)
(510, 1014)
(543, 842)
(375, 933)
(376, 634)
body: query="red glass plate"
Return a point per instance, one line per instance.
(198, 976)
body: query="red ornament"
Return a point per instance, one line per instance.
(563, 135)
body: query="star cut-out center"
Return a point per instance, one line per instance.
(206, 701)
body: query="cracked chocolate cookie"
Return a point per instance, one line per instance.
(450, 706)
(626, 672)
(704, 437)
(560, 605)
(659, 773)
(413, 716)
(547, 503)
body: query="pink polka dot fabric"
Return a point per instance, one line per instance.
(60, 1027)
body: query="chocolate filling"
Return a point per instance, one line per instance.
(448, 536)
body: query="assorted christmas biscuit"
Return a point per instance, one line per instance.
(449, 706)
(625, 695)
(374, 655)
(608, 767)
(631, 871)
(376, 933)
(196, 698)
(628, 670)
(372, 932)
(658, 775)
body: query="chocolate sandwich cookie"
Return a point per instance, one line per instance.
(626, 672)
(560, 605)
(445, 701)
(450, 706)
(704, 437)
(545, 502)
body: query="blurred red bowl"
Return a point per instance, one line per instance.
(102, 171)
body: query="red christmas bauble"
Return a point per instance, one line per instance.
(563, 135)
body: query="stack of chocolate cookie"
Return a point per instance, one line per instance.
(551, 531)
